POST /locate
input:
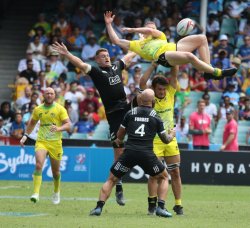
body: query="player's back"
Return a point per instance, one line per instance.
(142, 124)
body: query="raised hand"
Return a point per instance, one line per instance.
(108, 18)
(60, 48)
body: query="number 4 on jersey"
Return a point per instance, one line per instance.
(140, 130)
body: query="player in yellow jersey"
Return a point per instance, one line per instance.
(154, 46)
(53, 120)
(164, 106)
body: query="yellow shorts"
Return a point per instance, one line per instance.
(166, 150)
(54, 148)
(164, 48)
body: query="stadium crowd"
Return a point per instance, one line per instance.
(81, 28)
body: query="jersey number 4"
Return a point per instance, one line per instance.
(140, 130)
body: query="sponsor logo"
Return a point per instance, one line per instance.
(114, 80)
(80, 160)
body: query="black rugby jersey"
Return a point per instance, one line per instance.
(142, 124)
(108, 81)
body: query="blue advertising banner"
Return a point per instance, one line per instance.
(78, 164)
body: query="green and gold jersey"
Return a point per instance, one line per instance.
(49, 115)
(151, 48)
(165, 109)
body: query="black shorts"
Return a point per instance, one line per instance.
(162, 61)
(115, 118)
(147, 160)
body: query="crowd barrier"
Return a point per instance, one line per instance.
(91, 164)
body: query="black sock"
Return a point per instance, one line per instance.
(119, 186)
(152, 202)
(161, 203)
(100, 204)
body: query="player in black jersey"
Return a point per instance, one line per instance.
(141, 125)
(107, 78)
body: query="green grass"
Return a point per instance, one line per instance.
(204, 206)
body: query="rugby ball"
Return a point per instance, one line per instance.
(185, 26)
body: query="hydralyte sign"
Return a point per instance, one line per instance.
(77, 164)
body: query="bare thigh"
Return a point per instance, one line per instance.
(190, 43)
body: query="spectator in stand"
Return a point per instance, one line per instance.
(216, 85)
(215, 7)
(137, 24)
(38, 49)
(4, 131)
(245, 113)
(241, 73)
(29, 73)
(17, 127)
(92, 114)
(89, 50)
(63, 25)
(244, 51)
(42, 82)
(224, 45)
(42, 22)
(50, 75)
(210, 108)
(81, 19)
(224, 107)
(7, 114)
(74, 95)
(22, 65)
(197, 82)
(199, 127)
(234, 96)
(241, 103)
(28, 112)
(56, 65)
(33, 100)
(236, 8)
(73, 115)
(246, 84)
(168, 23)
(39, 31)
(152, 16)
(90, 98)
(135, 79)
(53, 39)
(84, 79)
(182, 130)
(24, 99)
(222, 58)
(213, 25)
(230, 134)
(84, 125)
(76, 41)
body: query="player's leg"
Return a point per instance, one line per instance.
(195, 42)
(55, 154)
(173, 163)
(162, 180)
(37, 175)
(104, 194)
(179, 58)
(114, 120)
(157, 171)
(55, 166)
(118, 169)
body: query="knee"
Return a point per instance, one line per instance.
(39, 166)
(190, 56)
(202, 38)
(113, 179)
(56, 174)
(175, 173)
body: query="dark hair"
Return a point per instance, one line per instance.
(101, 50)
(159, 79)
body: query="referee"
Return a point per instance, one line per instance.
(141, 125)
(107, 78)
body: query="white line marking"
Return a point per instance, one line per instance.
(9, 187)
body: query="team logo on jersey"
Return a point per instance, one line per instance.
(114, 67)
(114, 80)
(40, 115)
(103, 71)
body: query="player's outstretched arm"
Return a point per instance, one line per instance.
(108, 18)
(146, 75)
(174, 76)
(62, 49)
(143, 30)
(127, 59)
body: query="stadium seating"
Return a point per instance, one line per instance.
(215, 97)
(71, 76)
